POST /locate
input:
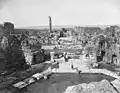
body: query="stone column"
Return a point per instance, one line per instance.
(52, 56)
(50, 29)
(50, 24)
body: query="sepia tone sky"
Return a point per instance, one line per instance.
(63, 12)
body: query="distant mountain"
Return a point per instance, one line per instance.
(62, 26)
(46, 27)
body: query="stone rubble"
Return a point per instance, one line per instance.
(116, 84)
(94, 87)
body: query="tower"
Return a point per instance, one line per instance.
(50, 24)
(8, 28)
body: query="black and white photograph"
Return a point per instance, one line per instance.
(59, 46)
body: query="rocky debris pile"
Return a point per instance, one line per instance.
(28, 58)
(94, 87)
(28, 55)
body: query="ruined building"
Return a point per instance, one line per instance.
(11, 48)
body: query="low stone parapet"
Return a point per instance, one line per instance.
(106, 72)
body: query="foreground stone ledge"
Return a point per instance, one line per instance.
(94, 87)
(116, 84)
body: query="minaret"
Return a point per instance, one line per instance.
(50, 24)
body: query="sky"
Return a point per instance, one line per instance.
(63, 12)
